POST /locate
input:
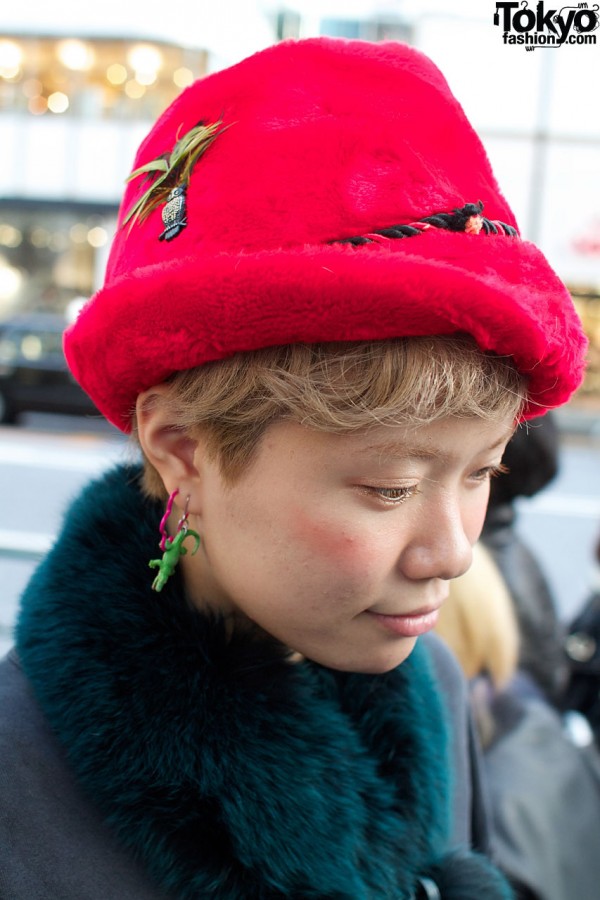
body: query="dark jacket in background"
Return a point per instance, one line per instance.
(582, 645)
(544, 793)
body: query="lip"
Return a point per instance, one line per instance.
(410, 625)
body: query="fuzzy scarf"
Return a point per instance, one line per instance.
(228, 771)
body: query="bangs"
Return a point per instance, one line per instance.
(339, 387)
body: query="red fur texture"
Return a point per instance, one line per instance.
(326, 139)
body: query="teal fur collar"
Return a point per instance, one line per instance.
(228, 771)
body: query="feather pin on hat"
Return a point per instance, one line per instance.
(174, 170)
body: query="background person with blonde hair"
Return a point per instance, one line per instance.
(544, 791)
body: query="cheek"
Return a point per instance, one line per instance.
(334, 543)
(474, 517)
(322, 537)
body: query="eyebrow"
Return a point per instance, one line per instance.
(400, 450)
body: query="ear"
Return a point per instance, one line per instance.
(170, 450)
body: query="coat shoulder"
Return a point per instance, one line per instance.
(46, 823)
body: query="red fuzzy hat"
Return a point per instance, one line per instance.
(321, 190)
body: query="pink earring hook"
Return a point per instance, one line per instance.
(164, 520)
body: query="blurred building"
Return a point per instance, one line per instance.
(80, 86)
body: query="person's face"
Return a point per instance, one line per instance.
(342, 546)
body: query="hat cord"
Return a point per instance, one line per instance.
(467, 219)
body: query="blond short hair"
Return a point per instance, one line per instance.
(336, 387)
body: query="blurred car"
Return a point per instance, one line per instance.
(33, 372)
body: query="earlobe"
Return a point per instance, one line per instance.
(170, 450)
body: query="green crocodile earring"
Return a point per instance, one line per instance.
(172, 547)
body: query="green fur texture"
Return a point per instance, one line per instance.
(228, 771)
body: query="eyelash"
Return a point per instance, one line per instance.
(402, 494)
(489, 472)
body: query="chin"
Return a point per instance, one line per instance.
(376, 663)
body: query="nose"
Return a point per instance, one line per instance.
(439, 546)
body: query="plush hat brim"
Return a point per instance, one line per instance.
(191, 311)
